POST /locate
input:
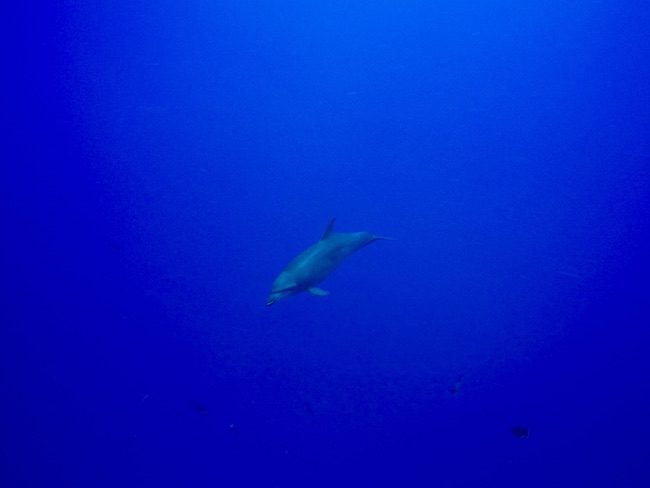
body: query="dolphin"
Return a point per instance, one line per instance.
(315, 264)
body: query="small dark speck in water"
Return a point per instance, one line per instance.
(199, 407)
(520, 432)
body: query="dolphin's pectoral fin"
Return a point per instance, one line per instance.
(328, 230)
(314, 290)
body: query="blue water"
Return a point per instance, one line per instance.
(163, 161)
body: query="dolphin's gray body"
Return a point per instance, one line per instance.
(312, 266)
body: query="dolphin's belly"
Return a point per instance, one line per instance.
(313, 265)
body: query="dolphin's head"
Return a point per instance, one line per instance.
(276, 296)
(283, 287)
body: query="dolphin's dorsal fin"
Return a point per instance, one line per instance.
(328, 230)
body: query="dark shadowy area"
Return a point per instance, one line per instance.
(198, 407)
(520, 432)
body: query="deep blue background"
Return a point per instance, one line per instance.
(162, 161)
